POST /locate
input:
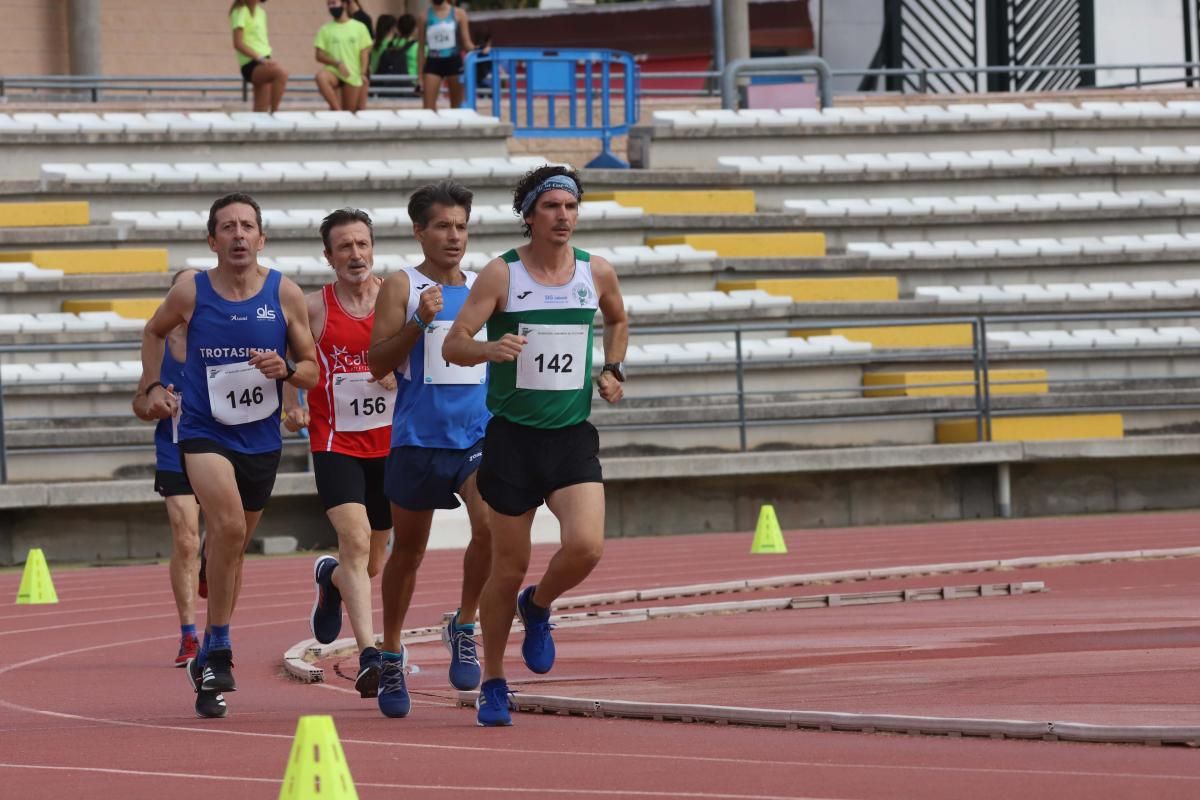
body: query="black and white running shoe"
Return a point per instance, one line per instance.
(218, 672)
(209, 705)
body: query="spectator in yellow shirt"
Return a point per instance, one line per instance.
(344, 47)
(248, 19)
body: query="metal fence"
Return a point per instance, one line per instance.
(694, 83)
(977, 359)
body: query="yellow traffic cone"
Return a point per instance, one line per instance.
(36, 586)
(317, 769)
(767, 536)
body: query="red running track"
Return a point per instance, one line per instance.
(88, 699)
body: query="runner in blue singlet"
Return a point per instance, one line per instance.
(437, 431)
(242, 320)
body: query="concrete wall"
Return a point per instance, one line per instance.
(151, 37)
(1148, 31)
(697, 505)
(848, 34)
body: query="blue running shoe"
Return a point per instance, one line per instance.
(493, 704)
(326, 620)
(393, 693)
(464, 663)
(538, 647)
(370, 665)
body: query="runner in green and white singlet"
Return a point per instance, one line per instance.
(539, 302)
(548, 386)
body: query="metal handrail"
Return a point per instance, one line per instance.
(734, 69)
(94, 85)
(976, 354)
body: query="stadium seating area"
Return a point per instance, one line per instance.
(857, 248)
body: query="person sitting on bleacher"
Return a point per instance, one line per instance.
(395, 53)
(248, 19)
(343, 46)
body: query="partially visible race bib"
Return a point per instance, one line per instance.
(440, 371)
(240, 393)
(360, 404)
(440, 36)
(555, 357)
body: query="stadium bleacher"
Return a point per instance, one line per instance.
(834, 237)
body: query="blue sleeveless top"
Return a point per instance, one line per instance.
(444, 406)
(443, 42)
(166, 446)
(223, 332)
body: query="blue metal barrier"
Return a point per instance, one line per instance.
(578, 77)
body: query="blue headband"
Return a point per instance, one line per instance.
(553, 182)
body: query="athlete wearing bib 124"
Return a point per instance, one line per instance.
(441, 412)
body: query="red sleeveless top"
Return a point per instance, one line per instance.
(348, 414)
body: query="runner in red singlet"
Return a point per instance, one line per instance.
(349, 418)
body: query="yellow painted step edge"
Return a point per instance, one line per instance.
(44, 214)
(916, 383)
(1036, 428)
(684, 201)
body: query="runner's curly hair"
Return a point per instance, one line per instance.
(531, 181)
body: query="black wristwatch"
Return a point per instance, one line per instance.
(291, 368)
(616, 368)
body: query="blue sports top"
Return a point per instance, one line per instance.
(166, 442)
(441, 34)
(229, 401)
(438, 404)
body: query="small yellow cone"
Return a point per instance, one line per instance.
(317, 769)
(767, 536)
(36, 586)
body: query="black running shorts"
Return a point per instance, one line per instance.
(444, 66)
(255, 473)
(523, 465)
(171, 484)
(345, 479)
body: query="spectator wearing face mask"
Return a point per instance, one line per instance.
(442, 35)
(344, 47)
(248, 19)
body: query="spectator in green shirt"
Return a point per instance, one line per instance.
(393, 56)
(248, 19)
(344, 47)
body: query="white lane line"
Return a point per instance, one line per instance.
(573, 791)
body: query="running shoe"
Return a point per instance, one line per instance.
(393, 693)
(326, 620)
(464, 663)
(493, 704)
(189, 646)
(209, 704)
(370, 664)
(538, 647)
(218, 672)
(202, 582)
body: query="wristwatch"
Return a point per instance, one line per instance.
(291, 368)
(616, 368)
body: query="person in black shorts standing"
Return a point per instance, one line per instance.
(442, 34)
